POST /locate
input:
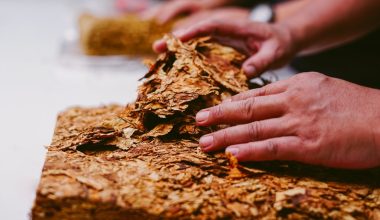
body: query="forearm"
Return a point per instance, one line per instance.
(286, 9)
(324, 24)
(374, 120)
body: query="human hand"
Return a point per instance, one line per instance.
(232, 13)
(171, 9)
(268, 45)
(310, 118)
(131, 5)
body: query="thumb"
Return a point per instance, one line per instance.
(258, 63)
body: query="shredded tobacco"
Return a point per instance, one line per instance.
(119, 35)
(186, 79)
(143, 160)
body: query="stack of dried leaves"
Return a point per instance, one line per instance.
(186, 79)
(123, 35)
(86, 176)
(146, 162)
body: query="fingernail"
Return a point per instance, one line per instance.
(233, 151)
(250, 70)
(202, 116)
(206, 141)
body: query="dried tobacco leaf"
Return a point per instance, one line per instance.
(174, 179)
(234, 173)
(119, 35)
(144, 159)
(187, 78)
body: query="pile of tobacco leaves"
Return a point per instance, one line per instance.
(187, 78)
(148, 155)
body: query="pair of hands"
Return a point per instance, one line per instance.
(309, 118)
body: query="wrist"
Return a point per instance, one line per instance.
(296, 36)
(290, 41)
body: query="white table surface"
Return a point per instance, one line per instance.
(39, 77)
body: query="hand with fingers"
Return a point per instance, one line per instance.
(310, 118)
(268, 45)
(171, 9)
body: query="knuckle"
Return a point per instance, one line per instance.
(272, 149)
(238, 97)
(254, 130)
(295, 93)
(248, 108)
(279, 50)
(262, 91)
(250, 152)
(217, 113)
(243, 95)
(285, 106)
(222, 138)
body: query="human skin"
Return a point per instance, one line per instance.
(318, 26)
(223, 13)
(310, 118)
(171, 9)
(267, 45)
(202, 10)
(281, 11)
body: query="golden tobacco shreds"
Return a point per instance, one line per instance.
(143, 160)
(123, 35)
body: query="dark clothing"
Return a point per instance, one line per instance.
(357, 62)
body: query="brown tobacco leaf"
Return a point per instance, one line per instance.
(160, 130)
(119, 35)
(173, 179)
(291, 193)
(227, 61)
(234, 173)
(144, 159)
(187, 78)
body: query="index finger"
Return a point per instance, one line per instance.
(245, 111)
(207, 28)
(199, 30)
(270, 89)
